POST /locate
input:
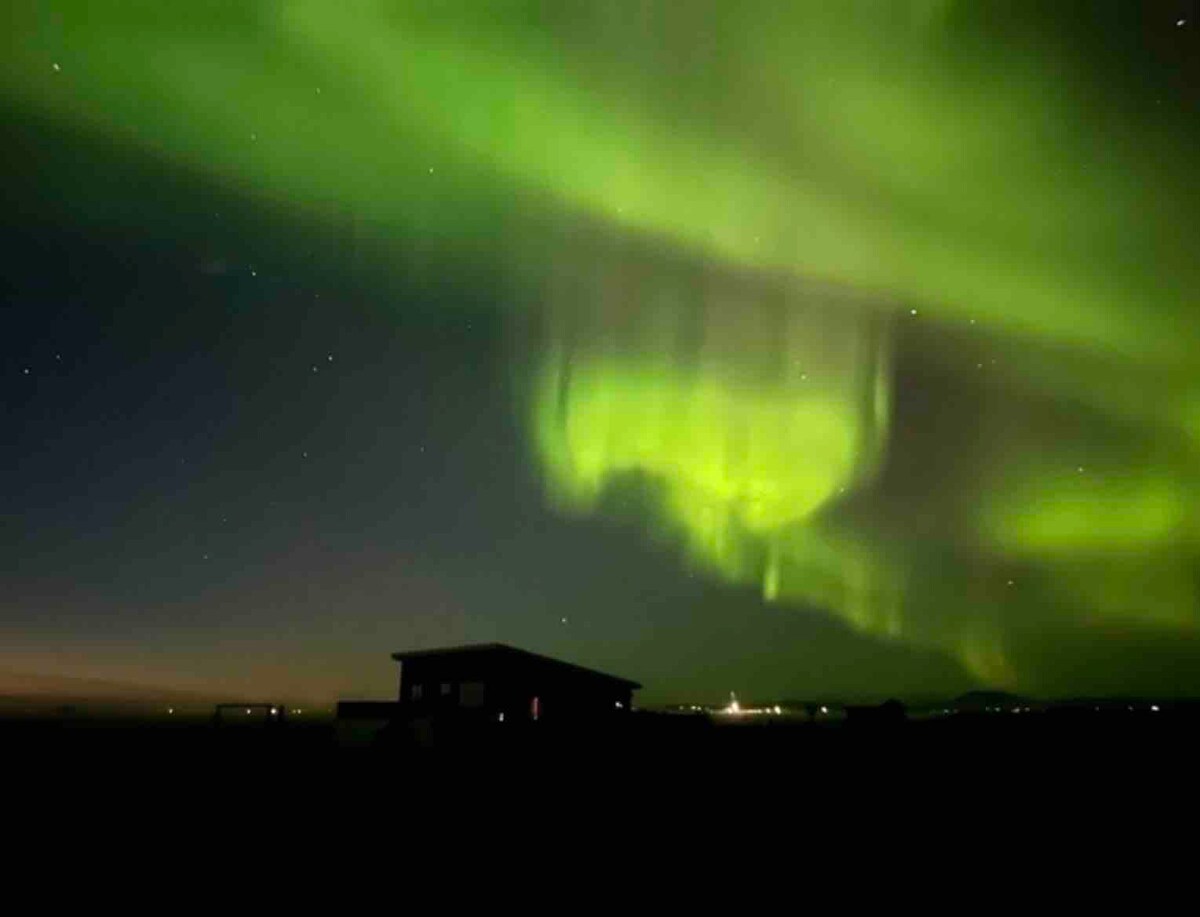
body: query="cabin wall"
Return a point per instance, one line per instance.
(484, 687)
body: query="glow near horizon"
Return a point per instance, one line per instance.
(852, 145)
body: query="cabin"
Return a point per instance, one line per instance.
(493, 682)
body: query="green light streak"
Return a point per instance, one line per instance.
(844, 143)
(917, 154)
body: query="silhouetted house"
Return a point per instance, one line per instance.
(988, 702)
(358, 722)
(889, 713)
(499, 683)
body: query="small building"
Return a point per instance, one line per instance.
(889, 713)
(498, 683)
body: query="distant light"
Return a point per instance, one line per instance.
(912, 311)
(620, 706)
(501, 717)
(58, 68)
(172, 709)
(778, 710)
(1179, 23)
(274, 711)
(1016, 709)
(824, 709)
(247, 711)
(1154, 707)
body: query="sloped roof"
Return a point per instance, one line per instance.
(504, 650)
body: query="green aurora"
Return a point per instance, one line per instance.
(885, 309)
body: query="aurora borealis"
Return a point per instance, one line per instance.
(799, 348)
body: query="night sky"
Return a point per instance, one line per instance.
(794, 349)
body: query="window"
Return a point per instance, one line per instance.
(417, 691)
(470, 694)
(446, 688)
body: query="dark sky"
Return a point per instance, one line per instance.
(795, 353)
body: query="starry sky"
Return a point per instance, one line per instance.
(801, 350)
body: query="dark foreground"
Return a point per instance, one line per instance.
(672, 789)
(1039, 747)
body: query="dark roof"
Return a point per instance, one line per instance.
(503, 649)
